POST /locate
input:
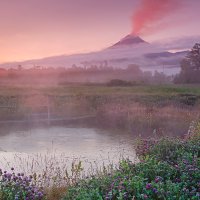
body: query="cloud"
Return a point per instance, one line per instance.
(182, 43)
(150, 12)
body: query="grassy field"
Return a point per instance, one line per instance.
(165, 109)
(167, 90)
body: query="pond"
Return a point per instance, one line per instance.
(34, 148)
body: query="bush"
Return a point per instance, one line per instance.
(118, 82)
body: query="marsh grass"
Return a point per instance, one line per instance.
(80, 99)
(139, 110)
(144, 120)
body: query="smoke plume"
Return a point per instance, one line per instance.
(150, 12)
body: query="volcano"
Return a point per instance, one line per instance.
(130, 40)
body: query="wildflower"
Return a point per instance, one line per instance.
(176, 166)
(156, 180)
(40, 194)
(155, 190)
(148, 186)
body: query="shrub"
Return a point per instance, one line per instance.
(118, 82)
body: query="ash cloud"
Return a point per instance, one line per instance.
(150, 12)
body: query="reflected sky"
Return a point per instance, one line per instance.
(84, 143)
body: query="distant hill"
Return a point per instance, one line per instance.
(129, 50)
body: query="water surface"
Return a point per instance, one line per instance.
(32, 149)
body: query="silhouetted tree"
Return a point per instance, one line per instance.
(190, 67)
(193, 57)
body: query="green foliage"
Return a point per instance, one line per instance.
(170, 170)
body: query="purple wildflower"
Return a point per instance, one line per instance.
(148, 186)
(145, 196)
(155, 190)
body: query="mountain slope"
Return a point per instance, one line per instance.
(129, 40)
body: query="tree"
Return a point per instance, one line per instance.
(193, 57)
(190, 67)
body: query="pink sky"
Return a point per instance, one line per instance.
(40, 28)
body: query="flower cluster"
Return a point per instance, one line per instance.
(18, 186)
(144, 146)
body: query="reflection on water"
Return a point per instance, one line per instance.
(58, 144)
